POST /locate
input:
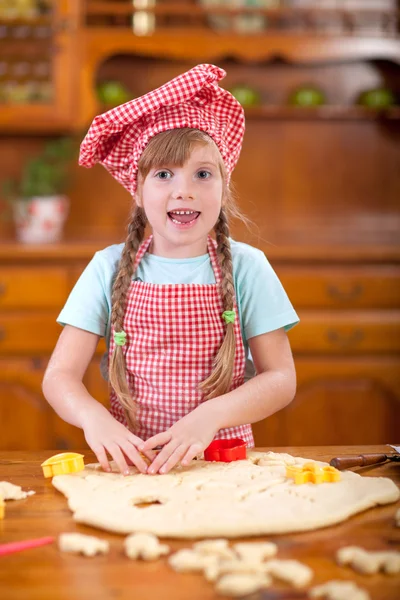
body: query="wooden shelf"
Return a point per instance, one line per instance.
(206, 45)
(334, 113)
(277, 19)
(83, 250)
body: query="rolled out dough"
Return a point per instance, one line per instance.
(250, 497)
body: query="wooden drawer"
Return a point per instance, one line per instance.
(346, 332)
(36, 287)
(28, 333)
(342, 287)
(24, 333)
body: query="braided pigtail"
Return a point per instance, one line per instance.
(117, 370)
(220, 379)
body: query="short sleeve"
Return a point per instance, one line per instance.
(88, 305)
(263, 303)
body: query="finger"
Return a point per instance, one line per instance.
(193, 451)
(132, 454)
(136, 441)
(162, 457)
(102, 457)
(157, 440)
(174, 459)
(119, 458)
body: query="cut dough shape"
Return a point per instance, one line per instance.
(145, 546)
(193, 507)
(290, 571)
(189, 561)
(9, 491)
(255, 551)
(368, 562)
(339, 590)
(235, 566)
(241, 584)
(78, 543)
(218, 548)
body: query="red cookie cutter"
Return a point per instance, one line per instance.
(226, 450)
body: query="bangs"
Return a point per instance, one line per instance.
(173, 147)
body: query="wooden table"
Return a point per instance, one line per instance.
(46, 574)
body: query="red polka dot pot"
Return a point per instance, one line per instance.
(40, 220)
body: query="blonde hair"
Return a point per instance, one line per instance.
(174, 147)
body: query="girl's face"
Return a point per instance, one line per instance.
(182, 204)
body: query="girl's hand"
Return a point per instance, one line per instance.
(182, 442)
(105, 434)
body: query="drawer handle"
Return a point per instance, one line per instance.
(3, 288)
(345, 340)
(345, 295)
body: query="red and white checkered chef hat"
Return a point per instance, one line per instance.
(194, 99)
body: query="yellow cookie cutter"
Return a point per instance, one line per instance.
(62, 464)
(313, 473)
(2, 507)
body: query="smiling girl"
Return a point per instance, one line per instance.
(182, 312)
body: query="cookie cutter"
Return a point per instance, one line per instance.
(2, 507)
(63, 464)
(226, 450)
(312, 473)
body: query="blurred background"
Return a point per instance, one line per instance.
(319, 176)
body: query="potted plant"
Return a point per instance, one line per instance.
(39, 205)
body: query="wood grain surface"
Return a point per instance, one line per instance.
(46, 574)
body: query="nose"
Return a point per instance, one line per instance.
(183, 189)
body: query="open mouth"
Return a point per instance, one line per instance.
(183, 217)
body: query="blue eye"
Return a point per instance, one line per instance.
(204, 174)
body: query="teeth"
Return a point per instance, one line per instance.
(183, 212)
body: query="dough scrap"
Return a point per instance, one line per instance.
(189, 561)
(258, 500)
(241, 584)
(145, 546)
(9, 491)
(255, 551)
(369, 562)
(78, 543)
(339, 590)
(290, 571)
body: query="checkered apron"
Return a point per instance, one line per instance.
(173, 334)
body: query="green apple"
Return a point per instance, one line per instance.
(377, 98)
(246, 95)
(307, 95)
(112, 93)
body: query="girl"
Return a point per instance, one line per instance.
(180, 311)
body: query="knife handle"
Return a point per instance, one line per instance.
(361, 460)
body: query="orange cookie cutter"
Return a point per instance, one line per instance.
(2, 507)
(226, 450)
(63, 464)
(312, 473)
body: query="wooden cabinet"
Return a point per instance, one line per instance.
(339, 398)
(321, 184)
(39, 69)
(33, 288)
(347, 355)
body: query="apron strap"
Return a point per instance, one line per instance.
(144, 246)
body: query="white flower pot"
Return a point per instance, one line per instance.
(40, 219)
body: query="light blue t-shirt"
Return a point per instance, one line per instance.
(263, 304)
